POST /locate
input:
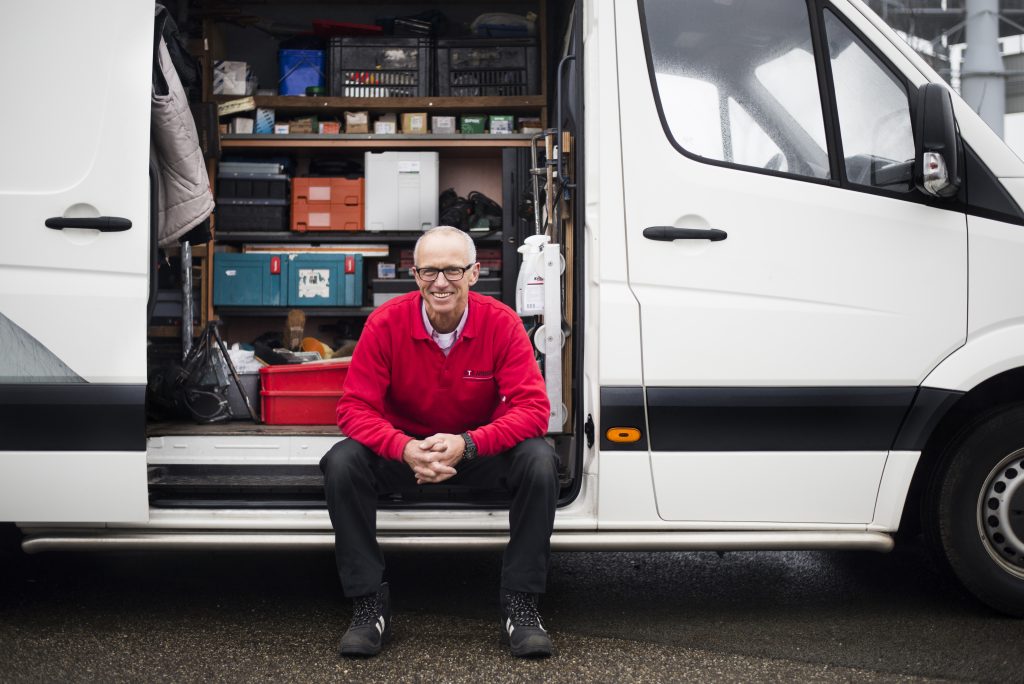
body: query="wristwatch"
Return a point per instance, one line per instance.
(470, 453)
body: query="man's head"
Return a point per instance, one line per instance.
(446, 267)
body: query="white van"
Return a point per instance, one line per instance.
(793, 297)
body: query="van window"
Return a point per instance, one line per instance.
(874, 113)
(736, 82)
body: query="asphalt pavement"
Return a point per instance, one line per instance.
(751, 616)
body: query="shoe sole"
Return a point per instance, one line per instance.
(361, 652)
(527, 651)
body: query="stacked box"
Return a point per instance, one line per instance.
(401, 190)
(302, 394)
(327, 204)
(306, 280)
(252, 201)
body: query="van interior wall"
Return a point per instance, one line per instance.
(259, 48)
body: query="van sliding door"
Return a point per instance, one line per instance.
(73, 275)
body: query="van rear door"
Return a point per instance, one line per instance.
(794, 287)
(73, 277)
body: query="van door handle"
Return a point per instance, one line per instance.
(669, 233)
(106, 224)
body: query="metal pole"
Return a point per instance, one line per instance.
(982, 78)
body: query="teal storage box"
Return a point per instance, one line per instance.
(249, 279)
(325, 280)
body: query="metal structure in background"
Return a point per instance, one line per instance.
(979, 24)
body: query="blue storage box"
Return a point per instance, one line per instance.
(249, 279)
(300, 69)
(325, 280)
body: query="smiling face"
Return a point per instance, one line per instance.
(445, 300)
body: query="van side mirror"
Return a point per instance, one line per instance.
(936, 143)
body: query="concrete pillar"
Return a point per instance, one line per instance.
(982, 77)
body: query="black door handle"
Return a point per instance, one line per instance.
(106, 224)
(668, 234)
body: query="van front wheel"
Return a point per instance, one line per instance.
(974, 513)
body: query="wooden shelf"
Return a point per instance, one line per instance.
(310, 311)
(370, 141)
(495, 105)
(337, 238)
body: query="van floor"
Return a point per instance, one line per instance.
(236, 427)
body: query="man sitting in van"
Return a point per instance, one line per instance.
(443, 388)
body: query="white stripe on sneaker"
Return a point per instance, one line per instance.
(509, 626)
(380, 624)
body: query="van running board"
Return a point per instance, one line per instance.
(107, 540)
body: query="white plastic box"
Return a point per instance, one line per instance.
(401, 190)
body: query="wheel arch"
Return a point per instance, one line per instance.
(996, 392)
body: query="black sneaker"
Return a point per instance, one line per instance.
(521, 627)
(371, 624)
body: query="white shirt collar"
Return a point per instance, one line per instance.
(444, 340)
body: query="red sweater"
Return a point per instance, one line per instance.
(401, 385)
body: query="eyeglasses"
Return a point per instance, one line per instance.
(451, 273)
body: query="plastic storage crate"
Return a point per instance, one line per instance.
(300, 69)
(475, 67)
(302, 394)
(327, 204)
(380, 66)
(252, 214)
(252, 186)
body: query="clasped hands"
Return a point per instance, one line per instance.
(433, 459)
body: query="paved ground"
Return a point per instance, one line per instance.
(825, 617)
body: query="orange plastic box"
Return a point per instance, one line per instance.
(327, 204)
(302, 394)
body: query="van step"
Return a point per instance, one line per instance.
(284, 486)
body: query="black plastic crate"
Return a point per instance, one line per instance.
(380, 66)
(252, 215)
(474, 67)
(252, 186)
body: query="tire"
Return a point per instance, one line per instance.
(974, 509)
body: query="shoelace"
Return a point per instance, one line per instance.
(364, 610)
(524, 609)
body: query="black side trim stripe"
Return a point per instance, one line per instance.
(622, 407)
(930, 406)
(72, 417)
(776, 418)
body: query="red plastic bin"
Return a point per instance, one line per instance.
(302, 394)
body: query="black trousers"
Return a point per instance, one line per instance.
(354, 477)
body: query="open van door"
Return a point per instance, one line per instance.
(794, 287)
(74, 226)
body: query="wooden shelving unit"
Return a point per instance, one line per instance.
(370, 141)
(293, 104)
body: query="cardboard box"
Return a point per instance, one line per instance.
(442, 125)
(385, 125)
(305, 124)
(473, 124)
(414, 123)
(241, 125)
(281, 129)
(386, 270)
(233, 78)
(330, 128)
(265, 121)
(502, 124)
(357, 122)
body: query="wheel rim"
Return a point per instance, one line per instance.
(1001, 514)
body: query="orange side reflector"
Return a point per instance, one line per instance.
(622, 434)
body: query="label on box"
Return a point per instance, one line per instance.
(320, 219)
(320, 193)
(408, 167)
(384, 127)
(314, 282)
(281, 129)
(385, 270)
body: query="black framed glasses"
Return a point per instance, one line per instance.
(451, 273)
